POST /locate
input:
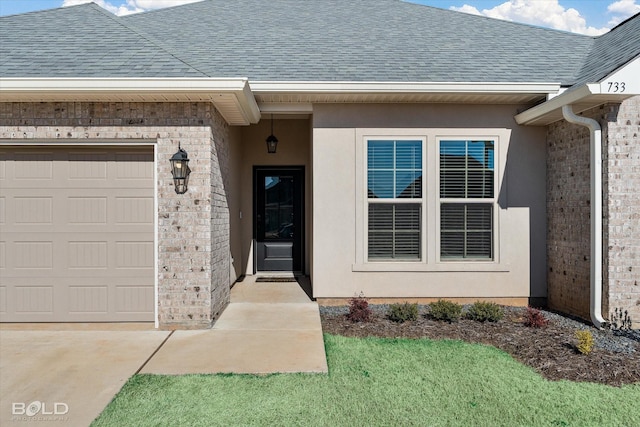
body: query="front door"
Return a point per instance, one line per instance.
(279, 221)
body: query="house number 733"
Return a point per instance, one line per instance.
(616, 87)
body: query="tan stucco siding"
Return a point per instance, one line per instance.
(339, 166)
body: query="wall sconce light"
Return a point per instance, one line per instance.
(272, 141)
(180, 170)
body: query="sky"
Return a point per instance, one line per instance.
(590, 17)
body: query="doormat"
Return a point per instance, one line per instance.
(276, 279)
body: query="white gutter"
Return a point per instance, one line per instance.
(595, 305)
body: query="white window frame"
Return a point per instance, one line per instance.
(397, 201)
(430, 212)
(468, 201)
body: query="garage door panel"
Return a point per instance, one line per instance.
(134, 299)
(3, 256)
(134, 210)
(77, 234)
(88, 299)
(3, 300)
(33, 166)
(33, 255)
(34, 299)
(83, 210)
(132, 255)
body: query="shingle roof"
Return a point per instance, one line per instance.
(81, 41)
(292, 40)
(612, 50)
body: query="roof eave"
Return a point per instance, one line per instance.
(298, 97)
(231, 96)
(623, 83)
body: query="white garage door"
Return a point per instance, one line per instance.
(76, 234)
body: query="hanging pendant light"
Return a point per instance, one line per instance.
(272, 141)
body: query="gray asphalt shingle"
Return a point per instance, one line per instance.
(360, 40)
(292, 40)
(81, 41)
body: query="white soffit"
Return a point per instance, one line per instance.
(299, 96)
(232, 97)
(616, 87)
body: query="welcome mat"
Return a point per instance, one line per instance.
(276, 279)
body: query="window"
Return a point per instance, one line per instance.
(394, 194)
(466, 199)
(429, 201)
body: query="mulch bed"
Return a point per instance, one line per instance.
(550, 350)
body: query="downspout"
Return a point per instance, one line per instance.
(595, 305)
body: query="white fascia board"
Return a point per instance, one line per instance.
(402, 87)
(126, 84)
(207, 88)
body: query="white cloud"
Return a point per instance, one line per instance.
(467, 9)
(131, 6)
(621, 10)
(624, 7)
(547, 13)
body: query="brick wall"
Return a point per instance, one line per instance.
(568, 207)
(622, 209)
(193, 238)
(568, 211)
(220, 221)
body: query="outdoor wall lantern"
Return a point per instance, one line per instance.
(180, 170)
(272, 141)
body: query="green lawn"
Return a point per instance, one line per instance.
(378, 382)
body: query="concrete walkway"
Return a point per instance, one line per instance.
(65, 374)
(268, 328)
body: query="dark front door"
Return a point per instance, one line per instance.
(279, 222)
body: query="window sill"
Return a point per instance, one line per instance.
(449, 266)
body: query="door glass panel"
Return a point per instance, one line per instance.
(278, 207)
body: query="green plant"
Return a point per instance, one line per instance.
(485, 312)
(585, 341)
(403, 312)
(445, 310)
(359, 310)
(620, 320)
(535, 319)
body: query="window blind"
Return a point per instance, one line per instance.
(466, 169)
(394, 171)
(394, 231)
(466, 172)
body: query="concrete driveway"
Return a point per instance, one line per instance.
(68, 373)
(67, 377)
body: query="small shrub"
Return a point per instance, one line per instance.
(445, 310)
(485, 312)
(535, 319)
(403, 312)
(359, 310)
(585, 341)
(620, 320)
